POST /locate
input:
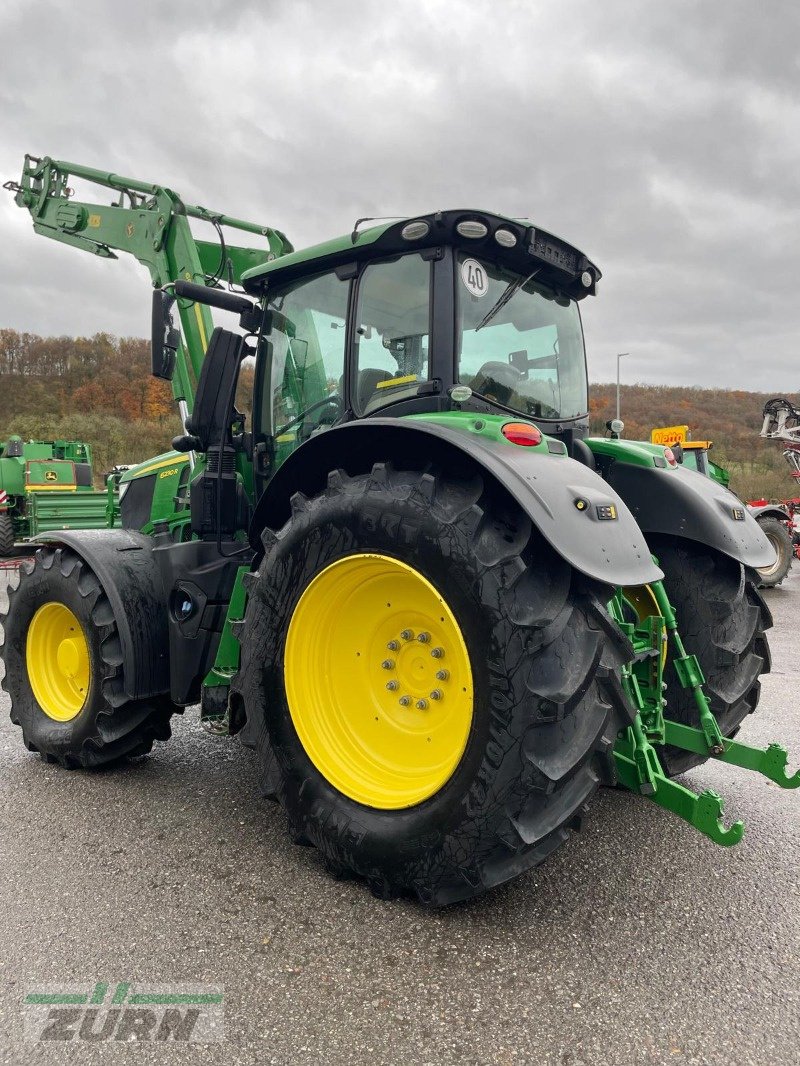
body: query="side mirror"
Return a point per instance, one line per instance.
(165, 338)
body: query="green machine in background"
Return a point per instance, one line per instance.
(440, 613)
(47, 485)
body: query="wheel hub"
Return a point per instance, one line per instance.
(68, 658)
(58, 662)
(414, 668)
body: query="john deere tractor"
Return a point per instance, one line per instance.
(440, 615)
(775, 519)
(47, 485)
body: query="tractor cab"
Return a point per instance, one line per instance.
(451, 311)
(694, 456)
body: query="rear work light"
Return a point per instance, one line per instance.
(471, 227)
(415, 231)
(521, 433)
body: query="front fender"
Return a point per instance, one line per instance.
(124, 565)
(683, 503)
(601, 540)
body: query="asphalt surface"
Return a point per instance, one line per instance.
(640, 941)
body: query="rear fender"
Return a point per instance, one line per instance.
(682, 503)
(769, 510)
(547, 487)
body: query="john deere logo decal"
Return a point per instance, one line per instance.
(50, 475)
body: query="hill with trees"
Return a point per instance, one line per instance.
(731, 418)
(99, 389)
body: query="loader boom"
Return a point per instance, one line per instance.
(150, 222)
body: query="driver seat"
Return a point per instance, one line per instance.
(367, 385)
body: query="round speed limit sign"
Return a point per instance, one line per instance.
(473, 275)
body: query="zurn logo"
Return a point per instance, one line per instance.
(122, 1012)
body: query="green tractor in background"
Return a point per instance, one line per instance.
(47, 485)
(440, 614)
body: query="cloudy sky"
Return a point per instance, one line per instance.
(663, 139)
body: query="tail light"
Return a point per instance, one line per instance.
(522, 433)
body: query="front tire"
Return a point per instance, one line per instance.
(541, 670)
(723, 621)
(63, 668)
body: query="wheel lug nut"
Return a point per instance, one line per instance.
(442, 675)
(392, 686)
(405, 701)
(437, 694)
(424, 638)
(437, 653)
(407, 634)
(388, 664)
(393, 645)
(422, 705)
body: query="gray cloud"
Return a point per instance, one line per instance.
(662, 139)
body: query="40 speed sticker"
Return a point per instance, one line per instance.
(474, 277)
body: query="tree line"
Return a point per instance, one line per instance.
(731, 418)
(99, 389)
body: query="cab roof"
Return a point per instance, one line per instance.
(558, 263)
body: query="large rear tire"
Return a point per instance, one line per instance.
(722, 620)
(781, 540)
(535, 706)
(63, 668)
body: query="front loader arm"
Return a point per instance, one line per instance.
(151, 223)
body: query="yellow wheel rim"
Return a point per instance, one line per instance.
(643, 601)
(378, 681)
(57, 658)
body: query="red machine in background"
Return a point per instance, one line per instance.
(782, 423)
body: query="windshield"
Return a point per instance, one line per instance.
(519, 346)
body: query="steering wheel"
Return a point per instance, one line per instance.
(335, 402)
(307, 429)
(497, 381)
(502, 373)
(326, 401)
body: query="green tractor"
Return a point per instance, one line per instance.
(46, 485)
(439, 613)
(775, 519)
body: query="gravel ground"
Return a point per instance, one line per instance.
(639, 941)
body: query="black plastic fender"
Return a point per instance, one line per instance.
(683, 503)
(769, 510)
(124, 564)
(583, 518)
